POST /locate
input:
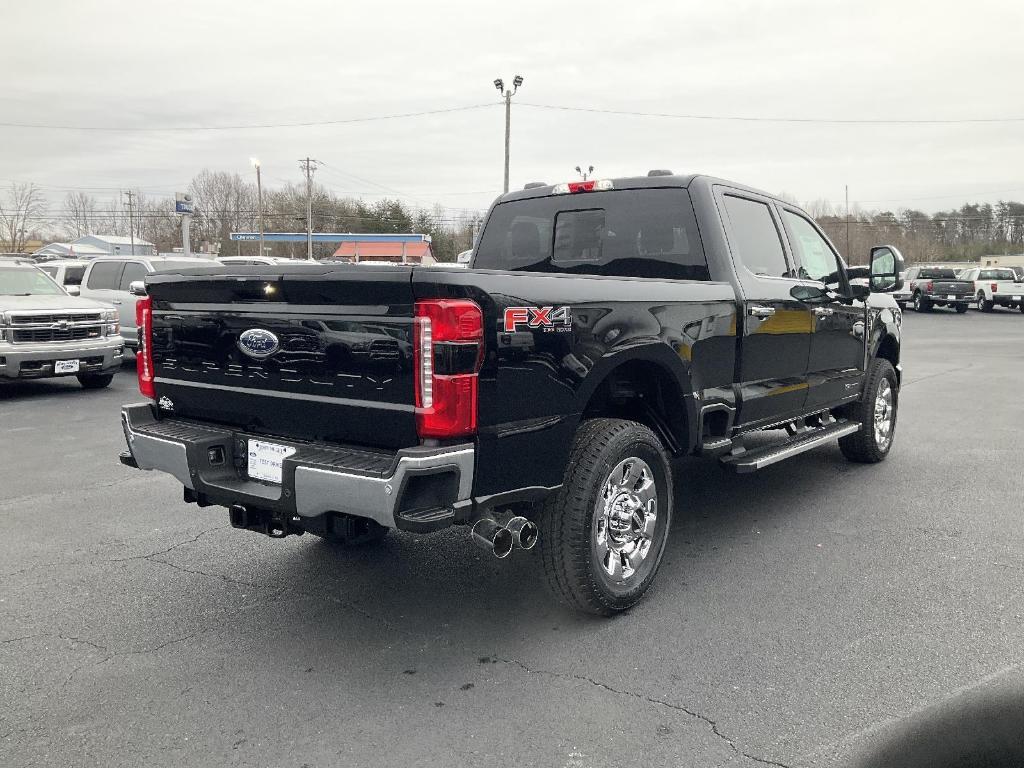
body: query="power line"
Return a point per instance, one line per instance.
(246, 126)
(762, 119)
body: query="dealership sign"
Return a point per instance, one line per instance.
(183, 203)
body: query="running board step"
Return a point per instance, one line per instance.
(751, 461)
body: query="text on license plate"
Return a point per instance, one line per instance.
(266, 459)
(951, 297)
(65, 366)
(1016, 298)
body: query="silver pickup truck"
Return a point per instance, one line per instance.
(45, 331)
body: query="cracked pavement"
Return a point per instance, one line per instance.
(798, 613)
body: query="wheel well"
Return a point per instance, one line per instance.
(889, 350)
(648, 393)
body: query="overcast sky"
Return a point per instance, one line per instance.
(220, 63)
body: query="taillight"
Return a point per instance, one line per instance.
(144, 352)
(447, 354)
(929, 286)
(995, 287)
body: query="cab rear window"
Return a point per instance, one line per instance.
(624, 233)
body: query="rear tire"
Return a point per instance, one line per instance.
(95, 380)
(603, 534)
(876, 413)
(961, 308)
(922, 303)
(983, 305)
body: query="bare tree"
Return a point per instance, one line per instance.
(23, 208)
(79, 214)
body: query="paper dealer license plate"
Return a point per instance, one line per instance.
(65, 366)
(266, 460)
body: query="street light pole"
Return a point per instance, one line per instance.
(259, 198)
(500, 85)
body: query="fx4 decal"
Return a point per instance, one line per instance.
(547, 319)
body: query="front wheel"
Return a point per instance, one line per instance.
(95, 380)
(876, 413)
(603, 534)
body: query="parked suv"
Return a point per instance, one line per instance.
(46, 332)
(109, 280)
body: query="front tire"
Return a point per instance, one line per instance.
(876, 414)
(95, 380)
(603, 534)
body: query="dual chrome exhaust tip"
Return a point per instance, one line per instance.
(500, 539)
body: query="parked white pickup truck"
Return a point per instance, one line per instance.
(46, 331)
(995, 286)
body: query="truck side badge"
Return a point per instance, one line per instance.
(547, 319)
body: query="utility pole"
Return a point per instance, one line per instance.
(131, 219)
(849, 257)
(259, 199)
(585, 175)
(309, 166)
(500, 85)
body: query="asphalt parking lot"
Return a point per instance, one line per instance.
(799, 612)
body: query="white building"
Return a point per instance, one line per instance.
(115, 245)
(70, 251)
(91, 246)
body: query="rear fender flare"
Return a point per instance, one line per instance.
(658, 354)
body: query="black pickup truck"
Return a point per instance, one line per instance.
(603, 327)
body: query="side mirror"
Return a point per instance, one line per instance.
(73, 290)
(886, 265)
(137, 288)
(810, 294)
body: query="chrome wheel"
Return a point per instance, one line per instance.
(981, 299)
(885, 413)
(625, 519)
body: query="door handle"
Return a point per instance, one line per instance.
(759, 310)
(824, 311)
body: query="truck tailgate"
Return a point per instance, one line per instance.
(314, 353)
(943, 288)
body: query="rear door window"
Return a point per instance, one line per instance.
(754, 238)
(625, 233)
(105, 275)
(73, 275)
(133, 271)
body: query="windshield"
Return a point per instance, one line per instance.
(27, 282)
(630, 233)
(938, 274)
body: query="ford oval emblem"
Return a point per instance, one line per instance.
(258, 343)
